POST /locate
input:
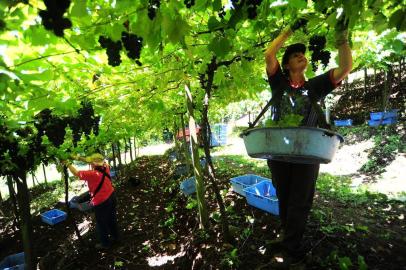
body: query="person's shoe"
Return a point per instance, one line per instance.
(285, 261)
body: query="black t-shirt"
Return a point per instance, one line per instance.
(290, 100)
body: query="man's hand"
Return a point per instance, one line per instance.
(341, 30)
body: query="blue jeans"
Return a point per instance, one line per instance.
(106, 220)
(13, 262)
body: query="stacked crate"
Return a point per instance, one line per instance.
(383, 118)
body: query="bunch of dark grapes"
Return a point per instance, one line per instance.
(53, 19)
(189, 3)
(222, 12)
(112, 49)
(52, 126)
(316, 46)
(252, 8)
(153, 6)
(133, 45)
(84, 122)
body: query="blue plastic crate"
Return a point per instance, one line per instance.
(343, 123)
(263, 196)
(384, 115)
(53, 216)
(188, 186)
(239, 183)
(388, 121)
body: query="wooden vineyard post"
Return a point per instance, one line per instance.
(200, 190)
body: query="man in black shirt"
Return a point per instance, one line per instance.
(292, 93)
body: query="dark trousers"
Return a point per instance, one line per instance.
(106, 220)
(295, 185)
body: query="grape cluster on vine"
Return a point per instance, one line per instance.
(250, 4)
(54, 126)
(222, 12)
(316, 46)
(252, 8)
(189, 3)
(52, 17)
(133, 46)
(113, 49)
(153, 6)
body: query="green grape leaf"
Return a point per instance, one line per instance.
(397, 19)
(298, 4)
(213, 23)
(220, 46)
(79, 9)
(289, 120)
(217, 5)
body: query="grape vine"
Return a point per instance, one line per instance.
(316, 46)
(52, 17)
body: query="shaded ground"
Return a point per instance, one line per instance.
(160, 230)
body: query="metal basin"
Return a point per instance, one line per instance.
(296, 144)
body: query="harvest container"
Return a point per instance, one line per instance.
(188, 186)
(387, 121)
(263, 196)
(343, 123)
(293, 144)
(239, 183)
(384, 115)
(53, 216)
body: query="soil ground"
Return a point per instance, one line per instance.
(159, 231)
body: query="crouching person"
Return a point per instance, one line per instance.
(102, 196)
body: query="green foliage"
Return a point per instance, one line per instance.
(231, 259)
(289, 120)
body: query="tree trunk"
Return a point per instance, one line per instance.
(206, 134)
(200, 190)
(120, 164)
(135, 148)
(33, 179)
(65, 176)
(23, 198)
(175, 128)
(125, 151)
(1, 198)
(131, 150)
(45, 175)
(400, 74)
(13, 198)
(375, 78)
(185, 144)
(346, 84)
(365, 79)
(387, 88)
(114, 156)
